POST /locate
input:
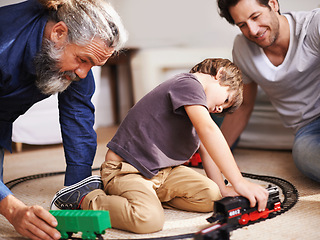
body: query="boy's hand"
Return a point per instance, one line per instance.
(228, 191)
(254, 193)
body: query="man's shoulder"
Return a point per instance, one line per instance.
(305, 26)
(303, 14)
(304, 18)
(23, 5)
(21, 14)
(240, 39)
(242, 46)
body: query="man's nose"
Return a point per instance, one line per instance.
(82, 71)
(253, 28)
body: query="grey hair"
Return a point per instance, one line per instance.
(88, 19)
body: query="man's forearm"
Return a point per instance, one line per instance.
(233, 125)
(8, 207)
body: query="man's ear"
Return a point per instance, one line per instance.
(274, 5)
(59, 33)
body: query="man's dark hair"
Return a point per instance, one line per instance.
(224, 6)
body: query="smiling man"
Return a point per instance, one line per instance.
(281, 54)
(49, 47)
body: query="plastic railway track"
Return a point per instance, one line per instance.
(289, 192)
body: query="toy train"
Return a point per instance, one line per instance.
(230, 212)
(194, 161)
(91, 223)
(214, 232)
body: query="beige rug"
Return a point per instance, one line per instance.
(301, 222)
(178, 223)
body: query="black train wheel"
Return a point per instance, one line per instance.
(70, 235)
(64, 235)
(99, 236)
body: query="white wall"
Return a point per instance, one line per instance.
(155, 24)
(6, 2)
(183, 23)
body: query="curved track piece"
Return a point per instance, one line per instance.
(17, 181)
(291, 197)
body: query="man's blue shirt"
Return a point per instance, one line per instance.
(21, 31)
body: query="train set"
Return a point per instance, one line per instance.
(229, 214)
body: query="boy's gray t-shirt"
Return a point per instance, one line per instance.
(157, 132)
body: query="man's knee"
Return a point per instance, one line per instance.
(306, 155)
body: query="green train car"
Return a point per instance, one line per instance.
(91, 223)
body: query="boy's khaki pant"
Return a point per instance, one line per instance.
(135, 203)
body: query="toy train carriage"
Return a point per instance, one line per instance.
(236, 210)
(91, 223)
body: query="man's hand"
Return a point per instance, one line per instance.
(33, 222)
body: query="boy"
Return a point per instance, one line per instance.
(142, 170)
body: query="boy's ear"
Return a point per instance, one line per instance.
(221, 74)
(59, 33)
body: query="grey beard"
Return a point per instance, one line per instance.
(49, 79)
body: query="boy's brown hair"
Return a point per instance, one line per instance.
(230, 77)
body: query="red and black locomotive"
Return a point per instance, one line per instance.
(231, 212)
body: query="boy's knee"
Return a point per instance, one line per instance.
(213, 195)
(148, 222)
(204, 199)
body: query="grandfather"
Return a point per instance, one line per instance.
(48, 47)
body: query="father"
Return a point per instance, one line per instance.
(281, 54)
